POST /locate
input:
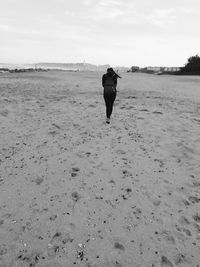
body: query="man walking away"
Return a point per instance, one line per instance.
(109, 82)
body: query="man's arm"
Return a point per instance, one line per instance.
(103, 80)
(115, 79)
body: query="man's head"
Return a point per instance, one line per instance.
(110, 70)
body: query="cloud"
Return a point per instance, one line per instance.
(101, 10)
(4, 28)
(102, 13)
(53, 31)
(88, 2)
(188, 10)
(162, 17)
(70, 13)
(111, 3)
(13, 29)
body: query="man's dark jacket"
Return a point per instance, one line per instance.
(112, 75)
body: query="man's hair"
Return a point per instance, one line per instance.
(110, 70)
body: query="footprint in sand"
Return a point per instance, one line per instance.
(120, 152)
(56, 125)
(180, 258)
(196, 184)
(126, 173)
(165, 262)
(38, 180)
(157, 112)
(194, 199)
(144, 109)
(153, 198)
(197, 227)
(183, 221)
(167, 235)
(92, 106)
(58, 243)
(119, 246)
(196, 217)
(122, 107)
(74, 171)
(29, 258)
(131, 97)
(4, 113)
(186, 202)
(3, 249)
(75, 196)
(187, 231)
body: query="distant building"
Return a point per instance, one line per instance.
(155, 68)
(162, 69)
(134, 68)
(171, 69)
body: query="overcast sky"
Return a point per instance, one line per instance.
(115, 32)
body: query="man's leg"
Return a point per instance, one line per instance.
(112, 100)
(108, 104)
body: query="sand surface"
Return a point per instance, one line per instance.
(75, 191)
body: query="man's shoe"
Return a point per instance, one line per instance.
(108, 121)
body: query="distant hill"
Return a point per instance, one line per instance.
(63, 66)
(12, 66)
(73, 66)
(58, 66)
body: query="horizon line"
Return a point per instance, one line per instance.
(106, 64)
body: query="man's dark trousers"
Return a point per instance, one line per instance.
(109, 100)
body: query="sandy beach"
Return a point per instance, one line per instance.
(75, 191)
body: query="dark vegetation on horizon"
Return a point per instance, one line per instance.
(192, 67)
